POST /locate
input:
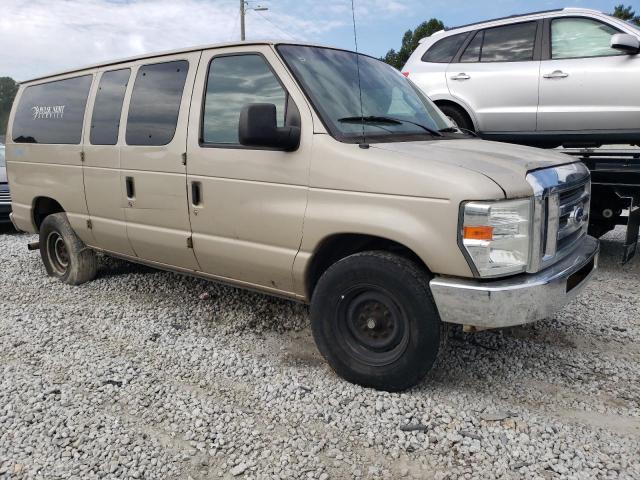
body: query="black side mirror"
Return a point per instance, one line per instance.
(625, 43)
(258, 127)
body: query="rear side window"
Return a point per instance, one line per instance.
(155, 103)
(233, 82)
(511, 43)
(105, 120)
(52, 112)
(444, 50)
(581, 37)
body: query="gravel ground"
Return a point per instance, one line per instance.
(146, 374)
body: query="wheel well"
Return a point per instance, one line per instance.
(339, 246)
(43, 207)
(463, 110)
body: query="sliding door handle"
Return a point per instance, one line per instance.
(196, 194)
(131, 188)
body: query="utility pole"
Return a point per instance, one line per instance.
(242, 20)
(244, 5)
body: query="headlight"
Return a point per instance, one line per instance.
(496, 236)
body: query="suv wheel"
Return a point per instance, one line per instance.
(374, 320)
(458, 117)
(64, 255)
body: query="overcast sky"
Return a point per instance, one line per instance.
(45, 36)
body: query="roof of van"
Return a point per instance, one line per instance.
(511, 17)
(174, 52)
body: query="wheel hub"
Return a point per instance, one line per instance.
(58, 253)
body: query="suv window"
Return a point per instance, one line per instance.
(52, 112)
(444, 50)
(105, 121)
(233, 82)
(155, 103)
(574, 37)
(511, 43)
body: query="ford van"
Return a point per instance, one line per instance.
(313, 173)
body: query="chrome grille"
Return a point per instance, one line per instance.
(561, 212)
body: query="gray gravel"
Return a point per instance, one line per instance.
(146, 374)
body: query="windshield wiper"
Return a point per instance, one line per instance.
(456, 130)
(388, 120)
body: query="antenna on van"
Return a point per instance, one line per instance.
(355, 41)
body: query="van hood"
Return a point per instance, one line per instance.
(504, 163)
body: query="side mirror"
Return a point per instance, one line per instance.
(625, 43)
(258, 127)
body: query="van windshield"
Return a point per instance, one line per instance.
(392, 107)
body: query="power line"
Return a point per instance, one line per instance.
(274, 25)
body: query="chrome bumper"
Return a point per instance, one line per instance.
(516, 300)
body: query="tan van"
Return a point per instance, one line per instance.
(303, 171)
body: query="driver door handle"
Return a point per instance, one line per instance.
(461, 76)
(556, 74)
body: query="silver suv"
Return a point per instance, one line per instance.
(568, 76)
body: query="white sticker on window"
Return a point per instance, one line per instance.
(48, 112)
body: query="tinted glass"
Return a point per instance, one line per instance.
(444, 50)
(234, 82)
(330, 78)
(512, 43)
(581, 37)
(155, 103)
(52, 112)
(472, 52)
(105, 121)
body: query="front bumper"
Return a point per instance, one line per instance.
(516, 300)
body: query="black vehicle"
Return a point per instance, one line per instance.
(5, 198)
(615, 188)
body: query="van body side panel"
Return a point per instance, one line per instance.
(46, 170)
(248, 224)
(157, 214)
(104, 186)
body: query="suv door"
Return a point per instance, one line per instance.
(246, 204)
(152, 160)
(496, 76)
(585, 84)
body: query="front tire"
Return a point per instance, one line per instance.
(374, 320)
(64, 255)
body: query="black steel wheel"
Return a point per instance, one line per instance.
(373, 318)
(64, 255)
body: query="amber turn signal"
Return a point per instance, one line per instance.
(478, 233)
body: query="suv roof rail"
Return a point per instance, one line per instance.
(506, 18)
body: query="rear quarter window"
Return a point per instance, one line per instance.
(52, 112)
(444, 50)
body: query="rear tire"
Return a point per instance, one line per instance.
(64, 255)
(457, 116)
(374, 320)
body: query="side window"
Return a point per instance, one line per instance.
(472, 52)
(232, 83)
(581, 37)
(105, 120)
(52, 112)
(444, 50)
(155, 103)
(511, 43)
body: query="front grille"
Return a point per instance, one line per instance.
(561, 212)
